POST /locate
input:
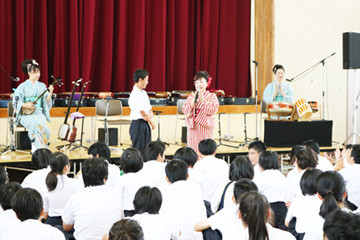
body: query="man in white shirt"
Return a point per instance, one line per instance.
(141, 113)
(92, 211)
(323, 163)
(214, 171)
(255, 149)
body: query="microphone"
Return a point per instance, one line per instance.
(197, 94)
(289, 80)
(15, 79)
(256, 63)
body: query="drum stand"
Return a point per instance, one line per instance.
(157, 113)
(220, 138)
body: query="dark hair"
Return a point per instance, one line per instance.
(57, 163)
(147, 200)
(269, 160)
(3, 176)
(308, 181)
(331, 187)
(207, 147)
(131, 160)
(6, 194)
(41, 158)
(140, 73)
(312, 144)
(27, 203)
(202, 74)
(355, 153)
(241, 167)
(306, 158)
(153, 149)
(101, 149)
(29, 65)
(242, 186)
(94, 171)
(294, 150)
(176, 170)
(254, 209)
(341, 225)
(126, 229)
(277, 67)
(186, 154)
(258, 146)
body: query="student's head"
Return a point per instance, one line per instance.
(207, 147)
(95, 172)
(3, 176)
(331, 189)
(279, 72)
(241, 167)
(306, 158)
(100, 149)
(27, 203)
(176, 170)
(268, 160)
(59, 164)
(312, 144)
(155, 151)
(186, 154)
(126, 229)
(29, 66)
(254, 212)
(41, 158)
(255, 149)
(355, 154)
(294, 150)
(308, 181)
(141, 78)
(147, 200)
(6, 194)
(341, 225)
(131, 160)
(242, 186)
(202, 80)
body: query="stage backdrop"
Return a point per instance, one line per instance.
(105, 41)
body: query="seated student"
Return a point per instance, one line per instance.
(60, 187)
(255, 149)
(183, 205)
(188, 155)
(131, 163)
(8, 218)
(27, 204)
(125, 229)
(3, 180)
(93, 210)
(293, 173)
(227, 219)
(323, 163)
(240, 168)
(330, 188)
(154, 167)
(340, 225)
(272, 183)
(307, 205)
(254, 212)
(147, 203)
(209, 166)
(36, 180)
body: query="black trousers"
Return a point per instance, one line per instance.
(140, 135)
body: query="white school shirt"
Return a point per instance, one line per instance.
(228, 222)
(154, 173)
(195, 177)
(55, 201)
(214, 172)
(32, 229)
(272, 183)
(293, 184)
(274, 234)
(184, 207)
(138, 101)
(324, 164)
(304, 208)
(155, 226)
(36, 180)
(93, 211)
(257, 171)
(113, 176)
(351, 176)
(7, 220)
(228, 202)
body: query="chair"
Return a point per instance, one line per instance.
(179, 115)
(114, 111)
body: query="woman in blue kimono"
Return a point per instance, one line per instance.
(24, 97)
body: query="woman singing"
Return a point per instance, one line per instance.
(24, 96)
(199, 109)
(278, 90)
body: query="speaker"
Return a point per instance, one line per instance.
(184, 134)
(113, 136)
(351, 50)
(22, 140)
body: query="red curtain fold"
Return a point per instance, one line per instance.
(105, 41)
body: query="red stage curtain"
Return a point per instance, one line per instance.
(105, 41)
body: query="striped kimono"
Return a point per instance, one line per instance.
(200, 123)
(35, 123)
